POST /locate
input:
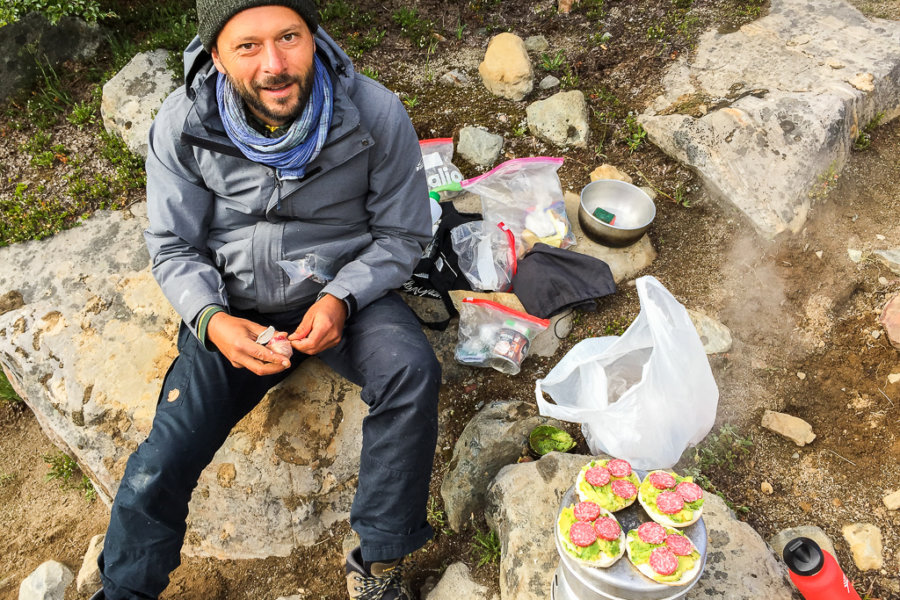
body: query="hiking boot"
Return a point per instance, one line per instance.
(383, 582)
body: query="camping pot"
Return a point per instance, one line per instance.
(621, 581)
(632, 208)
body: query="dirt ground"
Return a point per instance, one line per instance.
(802, 314)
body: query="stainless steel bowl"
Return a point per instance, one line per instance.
(633, 208)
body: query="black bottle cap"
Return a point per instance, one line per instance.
(803, 556)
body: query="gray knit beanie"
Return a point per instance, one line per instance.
(213, 14)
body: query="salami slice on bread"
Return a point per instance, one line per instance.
(663, 554)
(611, 484)
(670, 499)
(597, 542)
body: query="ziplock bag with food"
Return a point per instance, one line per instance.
(493, 335)
(525, 193)
(645, 396)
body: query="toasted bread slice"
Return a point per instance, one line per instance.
(649, 496)
(639, 553)
(604, 495)
(601, 553)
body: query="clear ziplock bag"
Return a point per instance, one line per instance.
(645, 396)
(493, 335)
(487, 255)
(525, 193)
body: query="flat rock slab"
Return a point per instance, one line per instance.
(87, 348)
(767, 114)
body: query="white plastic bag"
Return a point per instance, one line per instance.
(645, 396)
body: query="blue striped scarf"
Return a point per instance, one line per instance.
(290, 153)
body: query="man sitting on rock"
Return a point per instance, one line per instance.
(276, 150)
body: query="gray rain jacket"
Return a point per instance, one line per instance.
(219, 222)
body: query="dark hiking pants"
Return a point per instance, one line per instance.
(383, 350)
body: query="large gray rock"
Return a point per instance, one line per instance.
(132, 97)
(494, 438)
(33, 38)
(561, 119)
(522, 506)
(767, 114)
(47, 582)
(88, 351)
(88, 578)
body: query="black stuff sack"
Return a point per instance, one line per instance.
(438, 270)
(549, 280)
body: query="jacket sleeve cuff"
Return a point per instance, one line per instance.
(340, 294)
(202, 323)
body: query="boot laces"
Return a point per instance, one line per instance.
(374, 587)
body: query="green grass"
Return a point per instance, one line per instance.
(437, 517)
(633, 133)
(412, 26)
(7, 394)
(723, 449)
(54, 10)
(864, 139)
(486, 547)
(65, 470)
(551, 62)
(354, 28)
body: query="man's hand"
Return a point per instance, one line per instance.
(236, 339)
(321, 326)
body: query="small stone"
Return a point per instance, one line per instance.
(506, 70)
(478, 146)
(805, 506)
(864, 82)
(564, 6)
(875, 334)
(649, 191)
(88, 579)
(548, 82)
(766, 488)
(836, 502)
(607, 171)
(883, 280)
(536, 43)
(890, 321)
(794, 428)
(864, 540)
(855, 255)
(880, 237)
(890, 259)
(795, 455)
(801, 375)
(47, 582)
(893, 378)
(819, 253)
(455, 78)
(892, 500)
(834, 63)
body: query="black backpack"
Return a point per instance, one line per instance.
(438, 270)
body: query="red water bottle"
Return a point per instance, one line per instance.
(815, 572)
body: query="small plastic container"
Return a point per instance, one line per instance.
(815, 572)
